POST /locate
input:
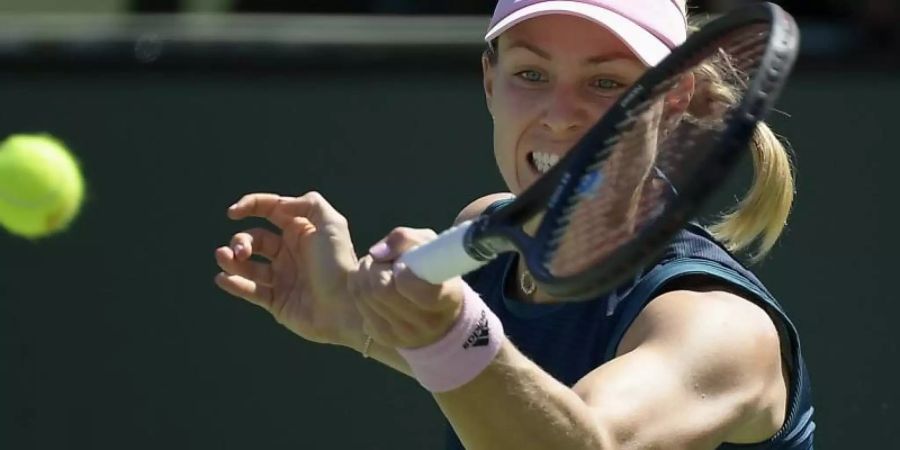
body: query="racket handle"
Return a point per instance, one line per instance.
(443, 258)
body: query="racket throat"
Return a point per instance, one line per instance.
(485, 248)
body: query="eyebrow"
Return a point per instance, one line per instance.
(600, 59)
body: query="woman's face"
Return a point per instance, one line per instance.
(554, 77)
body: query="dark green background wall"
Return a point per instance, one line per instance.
(114, 336)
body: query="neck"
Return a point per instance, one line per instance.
(516, 290)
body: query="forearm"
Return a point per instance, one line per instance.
(513, 403)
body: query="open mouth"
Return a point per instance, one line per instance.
(542, 162)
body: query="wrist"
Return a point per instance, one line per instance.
(465, 350)
(350, 333)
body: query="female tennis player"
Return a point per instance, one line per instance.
(692, 353)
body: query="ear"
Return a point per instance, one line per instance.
(487, 70)
(678, 100)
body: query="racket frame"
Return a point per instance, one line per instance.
(721, 156)
(485, 237)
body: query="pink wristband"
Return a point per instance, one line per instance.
(463, 353)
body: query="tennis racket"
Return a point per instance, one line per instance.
(640, 174)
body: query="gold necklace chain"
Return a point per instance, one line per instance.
(526, 282)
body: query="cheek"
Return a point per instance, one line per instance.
(505, 154)
(515, 103)
(513, 111)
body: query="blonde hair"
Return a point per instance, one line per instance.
(760, 216)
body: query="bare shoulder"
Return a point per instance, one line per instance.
(709, 354)
(474, 209)
(710, 320)
(727, 345)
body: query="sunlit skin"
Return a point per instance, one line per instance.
(697, 367)
(546, 89)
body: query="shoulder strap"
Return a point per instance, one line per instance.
(652, 283)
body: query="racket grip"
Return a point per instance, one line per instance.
(443, 258)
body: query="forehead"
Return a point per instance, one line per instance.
(559, 34)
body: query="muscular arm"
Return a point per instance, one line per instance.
(696, 369)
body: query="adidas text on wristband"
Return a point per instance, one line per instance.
(464, 352)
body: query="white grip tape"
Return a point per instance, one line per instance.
(443, 258)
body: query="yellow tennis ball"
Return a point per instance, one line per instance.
(41, 187)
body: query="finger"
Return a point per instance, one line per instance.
(424, 294)
(255, 205)
(257, 241)
(239, 286)
(280, 210)
(374, 325)
(370, 284)
(410, 325)
(406, 317)
(382, 296)
(399, 241)
(295, 231)
(258, 272)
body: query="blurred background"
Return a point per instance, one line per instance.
(113, 335)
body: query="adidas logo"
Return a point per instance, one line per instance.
(481, 335)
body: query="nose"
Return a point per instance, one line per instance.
(565, 111)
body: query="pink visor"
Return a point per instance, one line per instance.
(651, 28)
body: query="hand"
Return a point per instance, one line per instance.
(399, 309)
(304, 283)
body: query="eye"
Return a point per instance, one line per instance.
(532, 76)
(607, 84)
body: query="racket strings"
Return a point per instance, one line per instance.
(612, 199)
(637, 171)
(733, 60)
(736, 65)
(736, 60)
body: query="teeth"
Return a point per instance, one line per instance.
(543, 161)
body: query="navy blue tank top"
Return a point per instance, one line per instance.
(569, 340)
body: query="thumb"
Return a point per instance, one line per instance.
(448, 294)
(398, 242)
(382, 252)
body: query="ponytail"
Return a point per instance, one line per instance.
(760, 217)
